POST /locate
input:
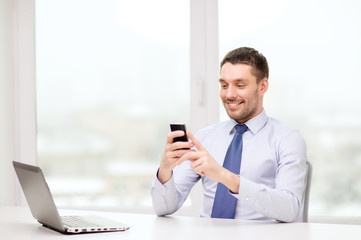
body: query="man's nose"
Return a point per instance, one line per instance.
(231, 92)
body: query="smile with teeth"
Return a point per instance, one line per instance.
(234, 104)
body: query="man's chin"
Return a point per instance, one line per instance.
(234, 115)
(239, 117)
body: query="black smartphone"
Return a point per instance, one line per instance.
(176, 127)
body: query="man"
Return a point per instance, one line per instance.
(267, 183)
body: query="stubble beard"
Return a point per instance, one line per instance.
(241, 115)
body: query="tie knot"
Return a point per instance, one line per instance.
(241, 128)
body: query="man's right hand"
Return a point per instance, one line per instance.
(173, 151)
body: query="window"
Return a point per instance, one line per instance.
(313, 50)
(313, 54)
(111, 76)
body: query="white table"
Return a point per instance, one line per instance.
(18, 224)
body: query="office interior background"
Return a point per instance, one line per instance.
(88, 89)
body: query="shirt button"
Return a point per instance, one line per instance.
(246, 198)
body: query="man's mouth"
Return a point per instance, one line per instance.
(234, 105)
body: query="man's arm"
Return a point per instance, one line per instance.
(172, 152)
(169, 197)
(283, 202)
(165, 196)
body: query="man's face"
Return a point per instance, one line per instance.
(241, 95)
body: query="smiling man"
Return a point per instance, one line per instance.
(252, 166)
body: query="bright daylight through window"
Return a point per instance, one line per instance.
(314, 54)
(106, 76)
(111, 76)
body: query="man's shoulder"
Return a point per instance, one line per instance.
(216, 129)
(282, 130)
(278, 124)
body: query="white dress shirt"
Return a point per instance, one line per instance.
(272, 175)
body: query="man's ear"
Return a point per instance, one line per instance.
(263, 86)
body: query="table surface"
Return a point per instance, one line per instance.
(18, 223)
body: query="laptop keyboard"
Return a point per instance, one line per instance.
(77, 222)
(91, 224)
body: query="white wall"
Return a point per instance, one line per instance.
(17, 93)
(7, 116)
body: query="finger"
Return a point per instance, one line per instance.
(196, 164)
(181, 146)
(192, 155)
(199, 171)
(180, 153)
(195, 141)
(174, 134)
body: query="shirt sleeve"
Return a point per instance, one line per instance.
(164, 197)
(167, 198)
(283, 202)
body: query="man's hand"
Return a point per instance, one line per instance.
(205, 165)
(172, 153)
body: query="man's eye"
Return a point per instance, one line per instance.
(240, 85)
(224, 86)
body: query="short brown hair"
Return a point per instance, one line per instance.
(249, 56)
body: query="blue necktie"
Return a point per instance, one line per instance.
(224, 205)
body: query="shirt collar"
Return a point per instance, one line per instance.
(254, 124)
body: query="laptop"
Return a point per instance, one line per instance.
(43, 209)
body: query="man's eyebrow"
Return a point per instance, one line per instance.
(236, 80)
(241, 80)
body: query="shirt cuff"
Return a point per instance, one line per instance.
(163, 187)
(248, 190)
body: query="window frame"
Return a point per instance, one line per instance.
(24, 86)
